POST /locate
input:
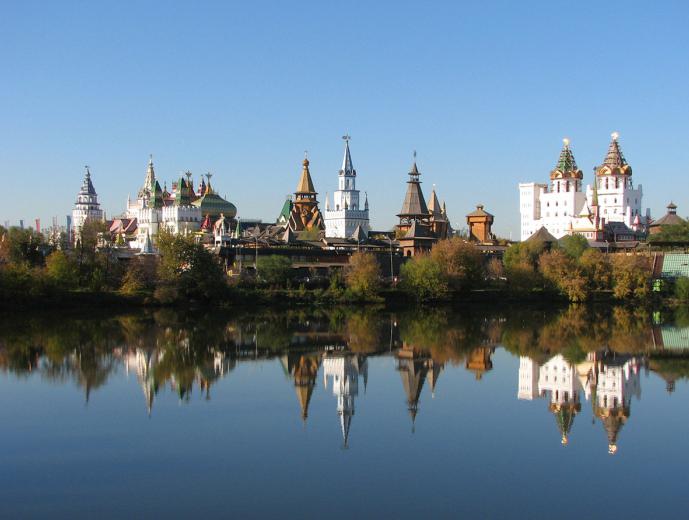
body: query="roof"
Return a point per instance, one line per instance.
(359, 234)
(566, 164)
(417, 230)
(87, 186)
(285, 211)
(479, 212)
(305, 183)
(347, 166)
(614, 162)
(434, 206)
(213, 204)
(674, 265)
(414, 203)
(542, 235)
(669, 219)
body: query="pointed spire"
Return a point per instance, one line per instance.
(414, 172)
(434, 206)
(614, 162)
(305, 183)
(150, 174)
(87, 186)
(327, 202)
(366, 201)
(614, 156)
(566, 166)
(347, 167)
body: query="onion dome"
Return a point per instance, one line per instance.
(564, 415)
(566, 167)
(614, 162)
(213, 205)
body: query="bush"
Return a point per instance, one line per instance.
(424, 279)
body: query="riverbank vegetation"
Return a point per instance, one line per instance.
(185, 272)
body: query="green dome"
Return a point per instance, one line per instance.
(213, 205)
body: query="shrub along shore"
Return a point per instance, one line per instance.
(34, 274)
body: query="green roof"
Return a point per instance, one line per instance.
(675, 265)
(675, 338)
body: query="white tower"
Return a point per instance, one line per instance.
(346, 213)
(86, 206)
(618, 199)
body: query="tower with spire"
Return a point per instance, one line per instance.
(346, 212)
(344, 371)
(86, 206)
(304, 213)
(619, 200)
(553, 205)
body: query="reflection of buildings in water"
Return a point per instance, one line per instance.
(414, 366)
(144, 363)
(609, 381)
(479, 362)
(345, 370)
(303, 369)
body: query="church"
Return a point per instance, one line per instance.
(564, 208)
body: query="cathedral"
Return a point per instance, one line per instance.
(182, 211)
(564, 208)
(346, 214)
(86, 207)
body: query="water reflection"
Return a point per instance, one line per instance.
(569, 358)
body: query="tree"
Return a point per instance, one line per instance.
(597, 269)
(23, 245)
(62, 269)
(574, 245)
(563, 274)
(423, 277)
(671, 233)
(188, 270)
(362, 275)
(140, 275)
(275, 270)
(460, 262)
(521, 265)
(682, 288)
(631, 275)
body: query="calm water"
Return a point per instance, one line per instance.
(575, 413)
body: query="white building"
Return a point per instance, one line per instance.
(610, 384)
(345, 370)
(155, 209)
(564, 209)
(346, 213)
(86, 207)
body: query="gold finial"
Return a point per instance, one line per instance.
(566, 141)
(306, 158)
(564, 440)
(612, 449)
(614, 136)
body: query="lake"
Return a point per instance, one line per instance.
(577, 412)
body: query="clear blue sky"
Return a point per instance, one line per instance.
(485, 91)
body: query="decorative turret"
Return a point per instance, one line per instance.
(345, 214)
(614, 162)
(566, 167)
(86, 206)
(304, 213)
(414, 205)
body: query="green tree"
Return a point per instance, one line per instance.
(62, 269)
(423, 277)
(597, 269)
(521, 265)
(574, 245)
(187, 270)
(631, 275)
(562, 273)
(140, 275)
(23, 245)
(682, 288)
(275, 270)
(362, 275)
(461, 263)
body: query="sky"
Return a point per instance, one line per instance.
(484, 92)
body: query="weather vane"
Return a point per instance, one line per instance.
(346, 137)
